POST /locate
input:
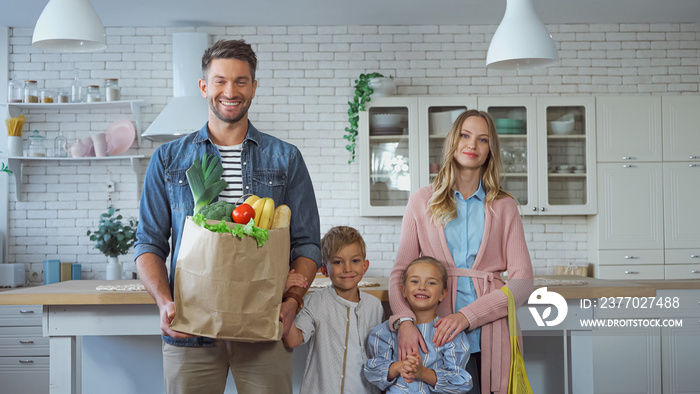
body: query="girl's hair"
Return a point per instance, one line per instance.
(442, 204)
(230, 49)
(429, 260)
(339, 237)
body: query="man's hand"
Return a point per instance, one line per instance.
(410, 340)
(447, 328)
(167, 313)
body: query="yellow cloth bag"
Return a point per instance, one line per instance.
(517, 380)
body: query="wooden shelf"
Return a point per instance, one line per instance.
(16, 164)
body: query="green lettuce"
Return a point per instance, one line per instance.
(260, 234)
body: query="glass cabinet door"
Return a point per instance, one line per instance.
(436, 116)
(516, 123)
(388, 155)
(567, 158)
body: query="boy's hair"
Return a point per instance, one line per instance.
(339, 237)
(229, 49)
(429, 260)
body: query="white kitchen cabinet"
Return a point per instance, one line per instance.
(680, 346)
(681, 125)
(648, 206)
(388, 155)
(436, 115)
(24, 352)
(628, 128)
(626, 360)
(534, 157)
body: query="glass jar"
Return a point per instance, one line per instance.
(36, 145)
(59, 145)
(47, 96)
(92, 95)
(112, 90)
(31, 91)
(14, 91)
(63, 96)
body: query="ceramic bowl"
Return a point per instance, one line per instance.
(564, 125)
(386, 120)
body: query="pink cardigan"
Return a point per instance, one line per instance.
(503, 248)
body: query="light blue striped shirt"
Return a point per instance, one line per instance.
(464, 235)
(447, 361)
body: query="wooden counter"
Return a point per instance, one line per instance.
(84, 292)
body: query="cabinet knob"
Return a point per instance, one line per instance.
(631, 272)
(542, 209)
(25, 341)
(534, 209)
(26, 361)
(631, 257)
(25, 311)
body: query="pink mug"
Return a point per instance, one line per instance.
(100, 142)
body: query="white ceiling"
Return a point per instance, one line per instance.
(24, 13)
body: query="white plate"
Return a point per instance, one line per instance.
(121, 134)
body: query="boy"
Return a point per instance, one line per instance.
(337, 320)
(441, 370)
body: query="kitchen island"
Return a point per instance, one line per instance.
(76, 309)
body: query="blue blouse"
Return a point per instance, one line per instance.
(464, 235)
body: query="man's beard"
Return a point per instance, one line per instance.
(241, 114)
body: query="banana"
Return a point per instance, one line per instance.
(267, 213)
(282, 217)
(251, 200)
(258, 207)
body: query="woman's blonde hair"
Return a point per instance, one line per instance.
(442, 204)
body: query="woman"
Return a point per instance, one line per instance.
(465, 220)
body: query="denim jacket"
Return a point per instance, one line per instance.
(270, 167)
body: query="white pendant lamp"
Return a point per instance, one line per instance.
(521, 40)
(69, 26)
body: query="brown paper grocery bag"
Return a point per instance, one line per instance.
(229, 288)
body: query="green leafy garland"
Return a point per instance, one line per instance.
(362, 96)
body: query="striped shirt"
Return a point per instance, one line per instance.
(231, 161)
(447, 361)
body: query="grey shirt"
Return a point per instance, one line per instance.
(324, 320)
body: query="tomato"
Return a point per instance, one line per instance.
(243, 213)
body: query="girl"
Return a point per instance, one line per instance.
(469, 223)
(437, 370)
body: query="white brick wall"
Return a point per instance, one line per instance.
(305, 80)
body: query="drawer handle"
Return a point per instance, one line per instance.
(695, 256)
(694, 165)
(694, 157)
(627, 166)
(25, 341)
(25, 311)
(631, 257)
(631, 272)
(627, 158)
(695, 272)
(26, 361)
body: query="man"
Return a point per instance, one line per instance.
(259, 164)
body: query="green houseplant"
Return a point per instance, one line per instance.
(113, 238)
(363, 91)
